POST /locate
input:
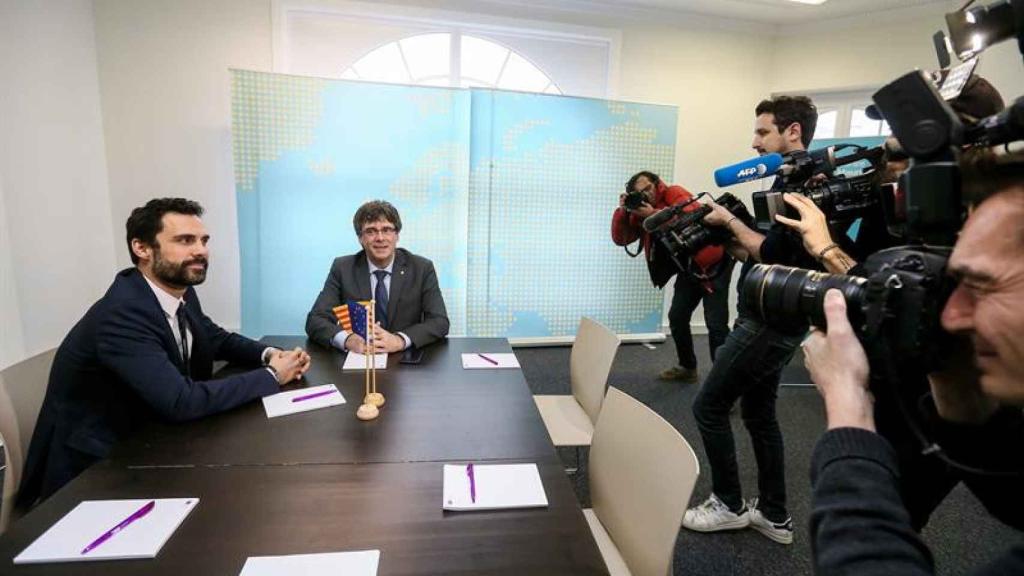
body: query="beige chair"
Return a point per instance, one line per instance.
(570, 419)
(22, 387)
(642, 472)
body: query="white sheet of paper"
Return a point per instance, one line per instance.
(363, 563)
(143, 538)
(504, 360)
(356, 361)
(282, 403)
(498, 486)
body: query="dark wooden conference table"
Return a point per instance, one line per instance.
(323, 481)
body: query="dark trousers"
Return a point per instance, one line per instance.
(688, 294)
(748, 367)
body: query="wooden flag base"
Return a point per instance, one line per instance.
(374, 398)
(367, 412)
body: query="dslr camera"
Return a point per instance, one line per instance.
(897, 305)
(634, 199)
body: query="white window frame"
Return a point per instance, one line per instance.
(434, 20)
(454, 75)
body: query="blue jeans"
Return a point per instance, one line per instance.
(688, 294)
(748, 367)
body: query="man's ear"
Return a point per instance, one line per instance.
(142, 250)
(795, 131)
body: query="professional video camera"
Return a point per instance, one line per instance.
(684, 233)
(842, 198)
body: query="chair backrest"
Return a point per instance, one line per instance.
(642, 472)
(22, 388)
(590, 363)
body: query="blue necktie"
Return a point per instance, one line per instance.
(380, 294)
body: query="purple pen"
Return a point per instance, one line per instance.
(488, 358)
(472, 482)
(146, 509)
(313, 395)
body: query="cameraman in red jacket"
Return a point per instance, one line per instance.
(706, 279)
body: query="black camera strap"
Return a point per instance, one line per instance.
(914, 420)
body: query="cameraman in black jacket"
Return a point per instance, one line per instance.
(859, 524)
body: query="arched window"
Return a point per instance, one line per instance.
(455, 60)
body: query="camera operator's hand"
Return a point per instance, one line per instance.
(839, 368)
(815, 180)
(956, 388)
(644, 210)
(813, 229)
(812, 225)
(719, 215)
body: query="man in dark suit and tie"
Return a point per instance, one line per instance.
(409, 305)
(145, 350)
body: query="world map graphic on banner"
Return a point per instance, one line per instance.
(509, 194)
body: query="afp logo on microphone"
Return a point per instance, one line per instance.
(753, 171)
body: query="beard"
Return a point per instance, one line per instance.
(179, 274)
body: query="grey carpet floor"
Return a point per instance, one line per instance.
(960, 533)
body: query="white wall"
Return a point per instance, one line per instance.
(56, 248)
(163, 69)
(870, 51)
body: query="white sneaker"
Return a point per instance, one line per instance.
(781, 532)
(713, 515)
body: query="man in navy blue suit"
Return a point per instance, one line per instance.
(145, 351)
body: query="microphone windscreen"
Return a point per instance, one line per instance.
(753, 169)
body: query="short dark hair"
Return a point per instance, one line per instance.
(649, 175)
(792, 109)
(375, 210)
(985, 173)
(146, 221)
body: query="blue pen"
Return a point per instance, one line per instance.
(472, 482)
(146, 509)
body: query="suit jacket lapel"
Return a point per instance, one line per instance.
(362, 276)
(157, 315)
(398, 273)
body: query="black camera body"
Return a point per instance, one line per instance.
(688, 234)
(842, 198)
(634, 199)
(896, 306)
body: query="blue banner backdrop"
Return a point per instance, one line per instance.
(510, 195)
